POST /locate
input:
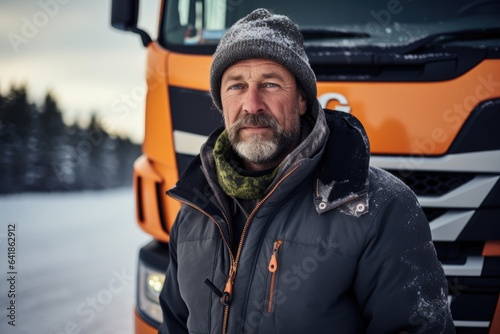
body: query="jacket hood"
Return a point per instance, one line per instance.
(342, 178)
(311, 145)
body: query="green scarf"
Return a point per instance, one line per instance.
(233, 183)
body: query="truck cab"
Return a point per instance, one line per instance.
(422, 76)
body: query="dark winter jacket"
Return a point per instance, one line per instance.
(335, 246)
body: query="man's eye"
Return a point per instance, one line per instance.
(270, 85)
(236, 87)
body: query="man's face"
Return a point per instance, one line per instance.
(262, 107)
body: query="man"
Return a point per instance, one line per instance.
(284, 227)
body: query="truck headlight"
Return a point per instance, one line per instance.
(149, 288)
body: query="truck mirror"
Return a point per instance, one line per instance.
(124, 14)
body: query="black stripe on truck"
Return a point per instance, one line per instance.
(192, 111)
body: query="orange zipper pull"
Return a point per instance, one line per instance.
(273, 264)
(228, 290)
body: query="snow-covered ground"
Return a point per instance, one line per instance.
(76, 258)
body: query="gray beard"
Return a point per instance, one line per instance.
(261, 151)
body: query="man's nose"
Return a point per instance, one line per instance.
(253, 102)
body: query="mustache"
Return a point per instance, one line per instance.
(260, 120)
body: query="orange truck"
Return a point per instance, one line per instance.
(422, 76)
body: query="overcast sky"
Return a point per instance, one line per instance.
(69, 48)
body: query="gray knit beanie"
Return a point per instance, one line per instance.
(263, 35)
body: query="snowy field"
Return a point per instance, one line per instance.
(76, 258)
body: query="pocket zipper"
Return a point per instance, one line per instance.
(273, 267)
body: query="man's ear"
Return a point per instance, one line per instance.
(302, 103)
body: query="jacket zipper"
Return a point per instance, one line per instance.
(234, 268)
(273, 267)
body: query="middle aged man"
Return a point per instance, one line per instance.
(284, 227)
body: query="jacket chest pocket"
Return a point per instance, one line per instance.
(273, 266)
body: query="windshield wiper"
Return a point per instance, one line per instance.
(442, 38)
(323, 33)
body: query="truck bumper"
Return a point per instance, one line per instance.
(142, 327)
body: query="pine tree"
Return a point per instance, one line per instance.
(90, 167)
(128, 152)
(3, 144)
(33, 177)
(55, 164)
(14, 134)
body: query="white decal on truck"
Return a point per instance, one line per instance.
(327, 97)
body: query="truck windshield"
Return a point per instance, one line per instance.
(199, 24)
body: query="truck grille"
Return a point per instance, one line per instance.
(432, 183)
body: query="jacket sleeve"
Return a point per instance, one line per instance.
(400, 284)
(174, 309)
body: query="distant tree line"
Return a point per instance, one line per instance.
(40, 153)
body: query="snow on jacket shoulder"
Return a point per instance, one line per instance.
(336, 247)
